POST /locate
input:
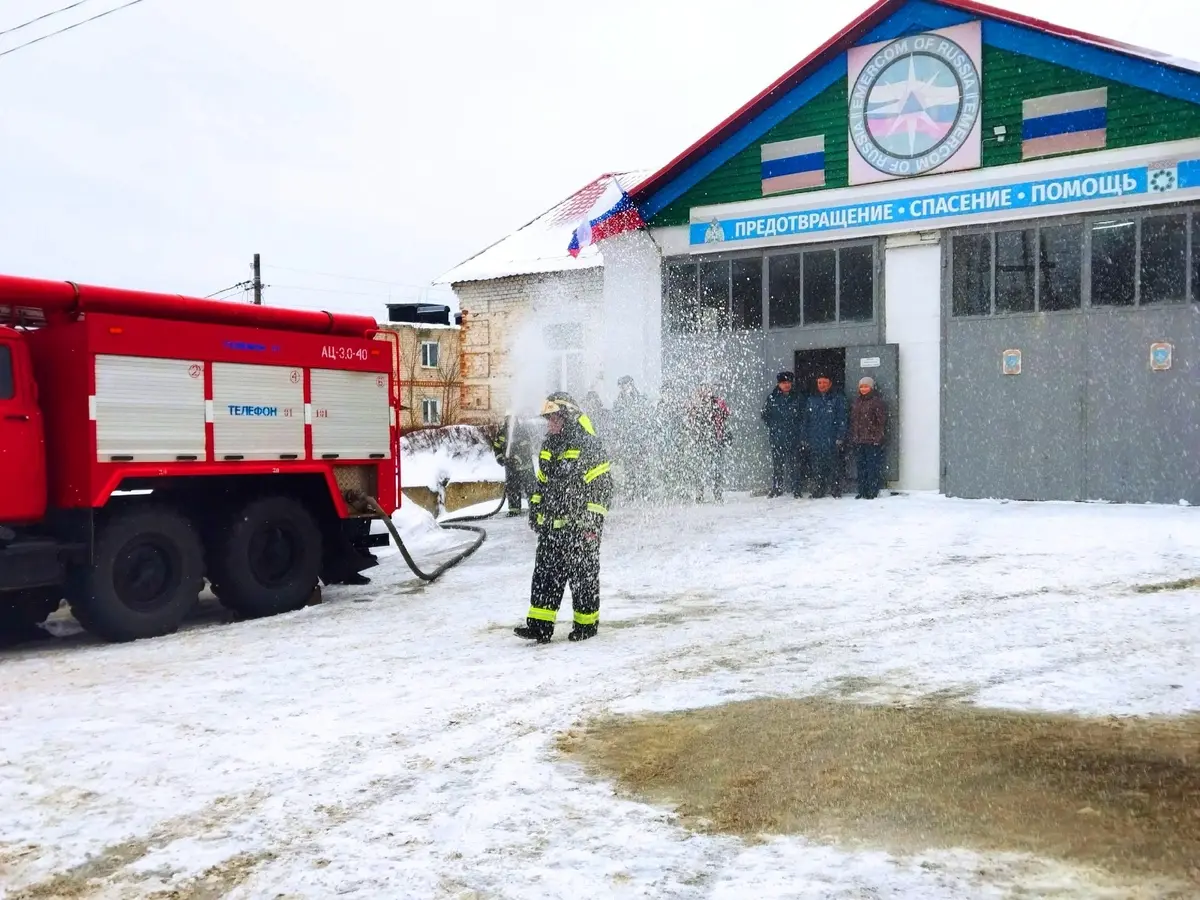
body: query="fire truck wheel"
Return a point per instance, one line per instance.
(146, 577)
(266, 560)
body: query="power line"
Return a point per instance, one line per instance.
(241, 285)
(317, 290)
(41, 17)
(423, 287)
(44, 37)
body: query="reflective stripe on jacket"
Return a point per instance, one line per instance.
(574, 480)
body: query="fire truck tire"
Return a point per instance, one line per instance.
(267, 559)
(147, 571)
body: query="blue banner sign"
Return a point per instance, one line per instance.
(931, 208)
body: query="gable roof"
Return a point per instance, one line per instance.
(541, 245)
(754, 118)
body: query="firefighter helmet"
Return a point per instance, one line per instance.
(560, 402)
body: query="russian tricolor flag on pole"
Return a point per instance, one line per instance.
(613, 213)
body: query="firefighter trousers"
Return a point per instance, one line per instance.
(565, 559)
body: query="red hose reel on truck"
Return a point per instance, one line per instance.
(149, 441)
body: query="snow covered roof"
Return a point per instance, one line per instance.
(541, 245)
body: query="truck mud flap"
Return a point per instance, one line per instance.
(347, 552)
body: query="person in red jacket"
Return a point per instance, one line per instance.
(708, 434)
(868, 431)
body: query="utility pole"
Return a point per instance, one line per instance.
(257, 280)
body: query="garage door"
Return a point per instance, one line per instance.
(1050, 392)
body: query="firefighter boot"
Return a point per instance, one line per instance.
(541, 635)
(582, 633)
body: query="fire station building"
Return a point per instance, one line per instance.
(996, 218)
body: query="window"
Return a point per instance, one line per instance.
(565, 372)
(856, 284)
(1114, 262)
(429, 354)
(820, 287)
(1138, 258)
(746, 294)
(783, 284)
(1164, 259)
(431, 411)
(1196, 258)
(1060, 261)
(564, 340)
(971, 290)
(7, 387)
(714, 296)
(1016, 264)
(680, 305)
(810, 287)
(563, 336)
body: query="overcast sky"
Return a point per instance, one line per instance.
(160, 147)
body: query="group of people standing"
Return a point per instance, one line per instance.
(572, 486)
(817, 428)
(676, 448)
(669, 448)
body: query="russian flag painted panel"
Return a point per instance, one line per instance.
(1064, 123)
(793, 165)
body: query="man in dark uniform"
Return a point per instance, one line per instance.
(517, 462)
(825, 434)
(784, 416)
(567, 512)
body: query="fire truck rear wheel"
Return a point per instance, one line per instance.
(266, 561)
(147, 571)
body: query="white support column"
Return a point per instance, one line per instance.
(912, 292)
(632, 333)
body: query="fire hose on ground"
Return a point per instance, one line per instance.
(359, 499)
(481, 536)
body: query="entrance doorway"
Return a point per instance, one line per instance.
(814, 364)
(810, 365)
(844, 366)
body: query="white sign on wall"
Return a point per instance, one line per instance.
(915, 104)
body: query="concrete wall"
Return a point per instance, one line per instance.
(631, 340)
(506, 360)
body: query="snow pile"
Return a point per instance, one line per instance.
(421, 533)
(456, 453)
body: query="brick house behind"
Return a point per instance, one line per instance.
(530, 312)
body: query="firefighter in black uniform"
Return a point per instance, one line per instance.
(567, 511)
(517, 462)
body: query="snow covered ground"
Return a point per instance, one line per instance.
(398, 741)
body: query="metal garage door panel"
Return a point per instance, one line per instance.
(1015, 436)
(1143, 426)
(881, 362)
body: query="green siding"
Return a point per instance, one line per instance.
(1135, 116)
(741, 177)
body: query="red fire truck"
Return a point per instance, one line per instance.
(149, 442)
